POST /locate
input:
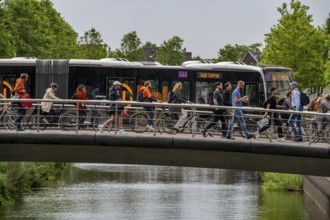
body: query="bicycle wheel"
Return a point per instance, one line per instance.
(68, 121)
(139, 122)
(101, 119)
(9, 121)
(327, 135)
(32, 122)
(167, 124)
(196, 125)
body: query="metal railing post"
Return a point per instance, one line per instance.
(77, 118)
(271, 126)
(38, 118)
(116, 118)
(155, 117)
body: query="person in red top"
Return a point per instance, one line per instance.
(148, 97)
(81, 95)
(19, 89)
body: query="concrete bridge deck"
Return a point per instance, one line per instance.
(163, 149)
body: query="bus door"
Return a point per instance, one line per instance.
(7, 84)
(251, 91)
(127, 87)
(204, 92)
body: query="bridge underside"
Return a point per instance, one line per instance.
(167, 151)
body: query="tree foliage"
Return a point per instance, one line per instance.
(237, 52)
(131, 47)
(170, 52)
(295, 43)
(327, 52)
(91, 45)
(34, 29)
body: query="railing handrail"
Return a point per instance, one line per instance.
(161, 104)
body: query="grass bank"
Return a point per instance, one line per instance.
(282, 181)
(18, 178)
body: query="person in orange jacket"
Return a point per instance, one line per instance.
(148, 97)
(19, 89)
(81, 95)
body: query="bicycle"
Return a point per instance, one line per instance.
(44, 119)
(194, 123)
(163, 121)
(68, 120)
(316, 135)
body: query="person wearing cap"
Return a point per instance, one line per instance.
(50, 94)
(295, 119)
(114, 96)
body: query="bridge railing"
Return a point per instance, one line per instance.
(136, 117)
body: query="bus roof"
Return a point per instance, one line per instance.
(123, 63)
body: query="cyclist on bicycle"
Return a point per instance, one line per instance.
(148, 97)
(322, 120)
(81, 94)
(178, 98)
(218, 113)
(47, 106)
(114, 96)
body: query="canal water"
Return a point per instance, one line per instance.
(98, 191)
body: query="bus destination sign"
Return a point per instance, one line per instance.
(182, 74)
(208, 75)
(276, 77)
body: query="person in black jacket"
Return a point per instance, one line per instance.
(178, 98)
(217, 100)
(114, 96)
(226, 98)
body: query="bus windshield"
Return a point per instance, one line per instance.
(279, 78)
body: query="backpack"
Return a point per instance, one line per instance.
(316, 106)
(139, 97)
(170, 96)
(281, 101)
(304, 99)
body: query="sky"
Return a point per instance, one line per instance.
(204, 25)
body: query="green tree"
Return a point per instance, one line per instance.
(170, 52)
(327, 52)
(92, 46)
(295, 43)
(131, 47)
(37, 30)
(149, 44)
(7, 48)
(237, 52)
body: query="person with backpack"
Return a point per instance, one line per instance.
(295, 119)
(315, 103)
(272, 104)
(114, 96)
(218, 113)
(145, 95)
(19, 90)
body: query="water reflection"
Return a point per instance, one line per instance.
(97, 191)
